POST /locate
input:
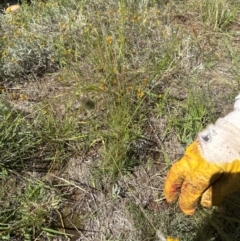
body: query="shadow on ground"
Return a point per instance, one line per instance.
(223, 224)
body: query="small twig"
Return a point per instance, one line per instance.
(73, 184)
(61, 220)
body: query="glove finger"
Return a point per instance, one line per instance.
(194, 186)
(174, 180)
(178, 172)
(206, 199)
(228, 183)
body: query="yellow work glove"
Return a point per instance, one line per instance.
(210, 167)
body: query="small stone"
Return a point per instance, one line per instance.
(13, 8)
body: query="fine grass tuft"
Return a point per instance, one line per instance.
(195, 114)
(218, 14)
(29, 211)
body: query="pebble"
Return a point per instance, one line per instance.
(13, 8)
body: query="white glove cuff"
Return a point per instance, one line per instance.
(237, 103)
(220, 143)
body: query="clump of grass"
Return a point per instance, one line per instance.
(17, 139)
(144, 222)
(218, 14)
(23, 136)
(116, 84)
(60, 132)
(31, 144)
(32, 46)
(190, 116)
(117, 140)
(25, 214)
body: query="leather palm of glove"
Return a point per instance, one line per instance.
(210, 167)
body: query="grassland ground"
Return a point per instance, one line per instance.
(98, 99)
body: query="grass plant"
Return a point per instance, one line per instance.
(217, 13)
